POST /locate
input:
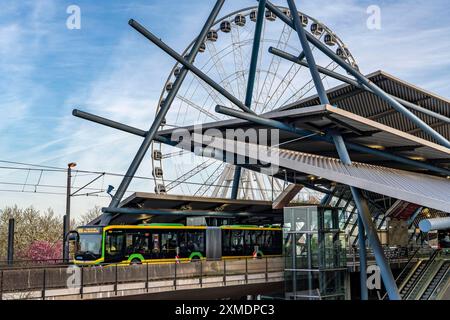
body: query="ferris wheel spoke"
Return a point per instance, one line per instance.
(219, 67)
(174, 154)
(238, 60)
(259, 62)
(299, 94)
(229, 178)
(250, 185)
(188, 175)
(197, 107)
(284, 85)
(261, 186)
(212, 178)
(277, 186)
(222, 178)
(274, 66)
(226, 60)
(211, 93)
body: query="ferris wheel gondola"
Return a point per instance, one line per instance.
(225, 57)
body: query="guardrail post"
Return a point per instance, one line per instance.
(246, 270)
(175, 277)
(82, 282)
(267, 271)
(224, 272)
(116, 279)
(146, 283)
(43, 283)
(1, 286)
(201, 274)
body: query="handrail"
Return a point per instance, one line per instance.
(404, 269)
(424, 270)
(444, 289)
(5, 265)
(424, 280)
(408, 262)
(444, 263)
(263, 266)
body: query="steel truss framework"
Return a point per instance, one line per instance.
(275, 85)
(362, 204)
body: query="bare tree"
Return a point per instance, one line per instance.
(30, 225)
(90, 216)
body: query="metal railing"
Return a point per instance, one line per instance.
(392, 254)
(37, 282)
(4, 264)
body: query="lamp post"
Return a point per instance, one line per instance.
(67, 216)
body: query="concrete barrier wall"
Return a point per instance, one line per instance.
(196, 273)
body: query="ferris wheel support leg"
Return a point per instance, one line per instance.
(250, 82)
(162, 113)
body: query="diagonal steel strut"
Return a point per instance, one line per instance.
(161, 114)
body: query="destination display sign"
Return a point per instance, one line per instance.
(89, 230)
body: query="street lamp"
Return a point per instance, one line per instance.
(67, 216)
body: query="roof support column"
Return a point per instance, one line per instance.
(345, 158)
(337, 138)
(250, 82)
(365, 224)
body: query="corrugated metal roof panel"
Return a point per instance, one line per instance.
(368, 105)
(425, 190)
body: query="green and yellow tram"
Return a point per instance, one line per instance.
(150, 243)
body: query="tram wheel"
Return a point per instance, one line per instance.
(136, 261)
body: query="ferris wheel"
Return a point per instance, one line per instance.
(225, 57)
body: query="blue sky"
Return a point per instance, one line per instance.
(108, 69)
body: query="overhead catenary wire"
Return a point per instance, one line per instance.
(54, 169)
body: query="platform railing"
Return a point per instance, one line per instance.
(42, 282)
(5, 264)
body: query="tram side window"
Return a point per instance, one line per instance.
(226, 242)
(268, 241)
(259, 240)
(114, 246)
(249, 238)
(191, 241)
(196, 241)
(237, 242)
(272, 242)
(137, 242)
(233, 242)
(154, 248)
(169, 243)
(254, 238)
(277, 242)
